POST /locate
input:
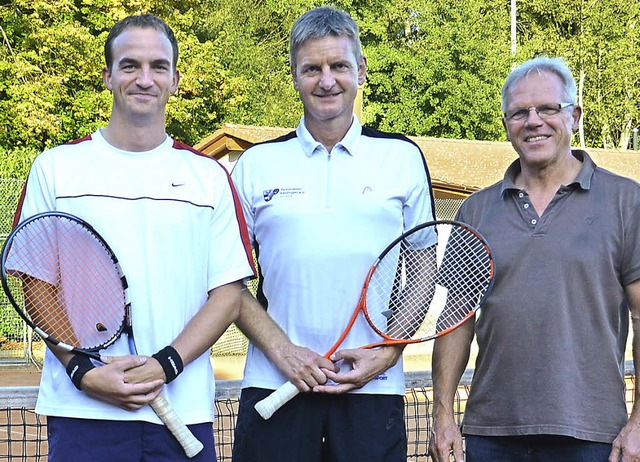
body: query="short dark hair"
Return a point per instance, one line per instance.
(322, 22)
(142, 21)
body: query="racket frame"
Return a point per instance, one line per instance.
(191, 445)
(125, 326)
(269, 405)
(363, 298)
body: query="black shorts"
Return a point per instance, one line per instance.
(316, 427)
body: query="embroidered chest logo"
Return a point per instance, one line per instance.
(269, 193)
(285, 193)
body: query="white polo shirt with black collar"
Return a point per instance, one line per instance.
(318, 220)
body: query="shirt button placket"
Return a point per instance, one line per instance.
(527, 208)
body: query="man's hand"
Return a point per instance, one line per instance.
(148, 371)
(303, 367)
(365, 366)
(108, 383)
(626, 447)
(446, 441)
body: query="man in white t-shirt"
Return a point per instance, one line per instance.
(170, 215)
(321, 204)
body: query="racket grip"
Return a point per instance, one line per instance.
(189, 443)
(276, 400)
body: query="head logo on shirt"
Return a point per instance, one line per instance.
(269, 193)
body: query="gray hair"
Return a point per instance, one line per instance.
(539, 65)
(322, 22)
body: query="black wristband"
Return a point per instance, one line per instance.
(170, 361)
(77, 368)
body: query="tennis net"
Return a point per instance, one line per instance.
(23, 432)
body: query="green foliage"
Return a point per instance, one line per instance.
(15, 163)
(600, 41)
(251, 40)
(432, 72)
(48, 81)
(7, 322)
(436, 67)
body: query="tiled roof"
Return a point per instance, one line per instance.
(462, 164)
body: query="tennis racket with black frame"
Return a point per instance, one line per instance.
(425, 284)
(66, 283)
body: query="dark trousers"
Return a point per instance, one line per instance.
(88, 440)
(535, 448)
(316, 427)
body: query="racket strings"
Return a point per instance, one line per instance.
(418, 290)
(72, 289)
(401, 289)
(466, 272)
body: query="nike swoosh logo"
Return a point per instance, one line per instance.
(175, 185)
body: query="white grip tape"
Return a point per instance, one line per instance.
(189, 443)
(276, 400)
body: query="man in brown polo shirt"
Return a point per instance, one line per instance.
(549, 378)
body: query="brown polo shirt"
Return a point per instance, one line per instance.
(552, 333)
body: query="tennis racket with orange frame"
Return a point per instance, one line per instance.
(66, 283)
(425, 284)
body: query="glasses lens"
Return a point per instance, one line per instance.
(543, 111)
(517, 114)
(548, 110)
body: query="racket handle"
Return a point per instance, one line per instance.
(276, 400)
(189, 443)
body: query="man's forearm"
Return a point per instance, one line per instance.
(205, 328)
(260, 328)
(450, 357)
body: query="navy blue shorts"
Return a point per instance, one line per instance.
(316, 427)
(88, 440)
(534, 448)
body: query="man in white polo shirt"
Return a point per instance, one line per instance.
(321, 203)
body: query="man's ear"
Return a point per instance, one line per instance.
(362, 70)
(294, 77)
(576, 114)
(106, 78)
(176, 81)
(506, 129)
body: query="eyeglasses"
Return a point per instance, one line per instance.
(544, 111)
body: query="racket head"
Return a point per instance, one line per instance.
(64, 280)
(427, 282)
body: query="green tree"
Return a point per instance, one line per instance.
(51, 90)
(48, 70)
(436, 67)
(600, 41)
(251, 40)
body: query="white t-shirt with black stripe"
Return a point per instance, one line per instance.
(172, 218)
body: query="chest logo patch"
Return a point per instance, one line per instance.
(268, 194)
(285, 193)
